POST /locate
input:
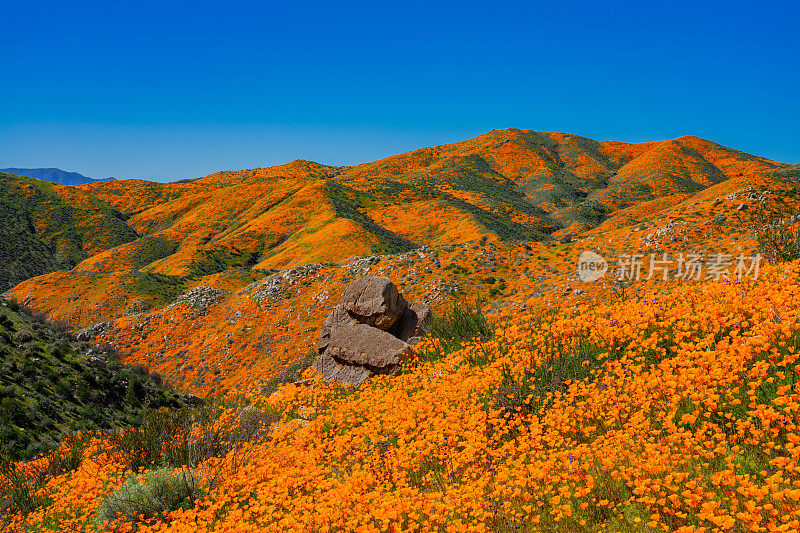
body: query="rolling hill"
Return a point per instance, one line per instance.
(516, 193)
(47, 227)
(510, 185)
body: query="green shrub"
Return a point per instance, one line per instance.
(20, 492)
(290, 374)
(151, 495)
(162, 440)
(456, 326)
(530, 392)
(187, 436)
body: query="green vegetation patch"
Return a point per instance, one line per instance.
(50, 388)
(506, 229)
(151, 495)
(346, 202)
(589, 213)
(150, 249)
(215, 260)
(162, 288)
(454, 327)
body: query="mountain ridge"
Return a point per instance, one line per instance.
(54, 175)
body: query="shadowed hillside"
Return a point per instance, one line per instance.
(52, 385)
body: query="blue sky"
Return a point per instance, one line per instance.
(168, 90)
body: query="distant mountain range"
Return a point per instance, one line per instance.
(56, 175)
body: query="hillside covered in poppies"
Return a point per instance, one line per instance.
(517, 193)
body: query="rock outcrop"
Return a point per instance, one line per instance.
(201, 298)
(371, 331)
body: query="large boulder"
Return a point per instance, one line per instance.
(332, 370)
(374, 300)
(370, 332)
(362, 344)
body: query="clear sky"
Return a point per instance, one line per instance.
(167, 90)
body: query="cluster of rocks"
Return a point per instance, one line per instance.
(96, 356)
(200, 298)
(439, 290)
(361, 265)
(748, 194)
(567, 290)
(371, 331)
(94, 330)
(274, 286)
(138, 305)
(667, 233)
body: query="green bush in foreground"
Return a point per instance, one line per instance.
(155, 493)
(530, 393)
